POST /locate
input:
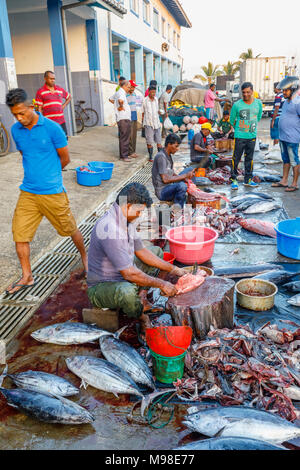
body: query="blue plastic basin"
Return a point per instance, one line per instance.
(89, 179)
(106, 166)
(288, 238)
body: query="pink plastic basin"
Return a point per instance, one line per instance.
(190, 244)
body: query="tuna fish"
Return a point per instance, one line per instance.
(68, 333)
(250, 270)
(237, 200)
(44, 383)
(261, 207)
(127, 358)
(47, 408)
(230, 443)
(292, 286)
(266, 177)
(295, 300)
(231, 421)
(278, 277)
(103, 375)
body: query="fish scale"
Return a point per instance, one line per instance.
(43, 382)
(68, 333)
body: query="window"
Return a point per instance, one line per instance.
(169, 33)
(134, 7)
(155, 20)
(163, 28)
(146, 11)
(178, 42)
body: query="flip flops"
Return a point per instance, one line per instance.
(279, 185)
(22, 287)
(291, 189)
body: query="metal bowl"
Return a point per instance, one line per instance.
(246, 298)
(208, 271)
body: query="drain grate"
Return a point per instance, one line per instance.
(53, 267)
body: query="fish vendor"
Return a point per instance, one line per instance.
(167, 184)
(202, 146)
(225, 129)
(119, 264)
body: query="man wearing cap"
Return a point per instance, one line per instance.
(131, 99)
(201, 147)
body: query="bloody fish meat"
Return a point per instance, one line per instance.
(258, 226)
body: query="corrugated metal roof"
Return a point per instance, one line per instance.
(177, 12)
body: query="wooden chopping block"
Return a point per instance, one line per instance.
(211, 304)
(105, 319)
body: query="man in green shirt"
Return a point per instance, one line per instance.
(244, 117)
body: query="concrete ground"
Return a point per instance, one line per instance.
(100, 143)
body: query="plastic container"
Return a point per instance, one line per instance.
(168, 369)
(200, 172)
(169, 341)
(106, 166)
(84, 178)
(288, 238)
(213, 203)
(190, 244)
(191, 134)
(169, 258)
(258, 303)
(209, 271)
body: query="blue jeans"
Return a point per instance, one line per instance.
(275, 130)
(289, 153)
(174, 192)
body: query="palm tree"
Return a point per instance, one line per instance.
(231, 68)
(248, 55)
(210, 72)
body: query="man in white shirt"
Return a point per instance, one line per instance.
(123, 117)
(163, 103)
(151, 122)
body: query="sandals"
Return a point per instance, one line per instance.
(291, 189)
(279, 185)
(22, 287)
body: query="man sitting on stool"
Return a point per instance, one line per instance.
(202, 147)
(169, 186)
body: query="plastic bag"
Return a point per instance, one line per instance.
(168, 124)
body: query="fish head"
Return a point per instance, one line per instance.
(76, 362)
(207, 422)
(43, 333)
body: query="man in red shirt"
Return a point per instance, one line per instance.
(50, 99)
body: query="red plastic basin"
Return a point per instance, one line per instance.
(190, 244)
(169, 341)
(169, 258)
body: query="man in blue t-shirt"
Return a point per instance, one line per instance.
(43, 146)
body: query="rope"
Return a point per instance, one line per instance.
(157, 408)
(168, 340)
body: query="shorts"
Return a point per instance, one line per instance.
(289, 153)
(153, 136)
(274, 132)
(30, 210)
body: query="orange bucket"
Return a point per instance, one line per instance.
(200, 172)
(169, 341)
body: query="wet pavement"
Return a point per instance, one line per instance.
(111, 429)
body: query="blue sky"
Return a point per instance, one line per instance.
(222, 29)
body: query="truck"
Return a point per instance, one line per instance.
(263, 72)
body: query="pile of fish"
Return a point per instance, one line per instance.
(220, 175)
(41, 395)
(243, 367)
(254, 203)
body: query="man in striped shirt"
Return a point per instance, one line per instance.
(276, 113)
(52, 100)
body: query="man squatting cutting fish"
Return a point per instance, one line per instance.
(118, 262)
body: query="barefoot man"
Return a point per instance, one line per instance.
(43, 146)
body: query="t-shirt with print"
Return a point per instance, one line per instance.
(131, 99)
(224, 125)
(162, 165)
(245, 117)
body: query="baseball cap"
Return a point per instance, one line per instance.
(132, 83)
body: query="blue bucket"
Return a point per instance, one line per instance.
(288, 238)
(106, 166)
(89, 179)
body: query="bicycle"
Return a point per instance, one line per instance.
(4, 140)
(89, 115)
(79, 122)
